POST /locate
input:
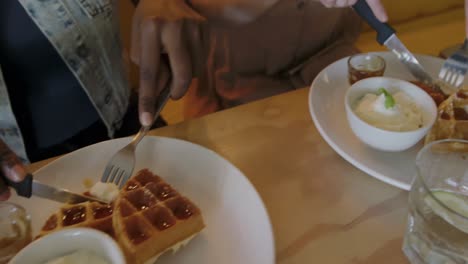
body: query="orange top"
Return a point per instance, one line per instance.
(282, 50)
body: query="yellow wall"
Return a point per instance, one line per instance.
(401, 11)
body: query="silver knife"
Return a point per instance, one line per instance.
(29, 187)
(386, 36)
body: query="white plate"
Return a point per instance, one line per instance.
(238, 229)
(326, 105)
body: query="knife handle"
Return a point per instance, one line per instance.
(22, 188)
(384, 31)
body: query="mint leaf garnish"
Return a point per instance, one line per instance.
(389, 100)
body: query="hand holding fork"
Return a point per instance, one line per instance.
(455, 67)
(120, 167)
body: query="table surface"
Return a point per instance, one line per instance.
(323, 210)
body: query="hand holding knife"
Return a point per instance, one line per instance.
(29, 187)
(11, 166)
(386, 36)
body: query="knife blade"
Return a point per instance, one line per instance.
(386, 36)
(29, 187)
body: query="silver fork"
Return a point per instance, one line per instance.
(455, 67)
(121, 165)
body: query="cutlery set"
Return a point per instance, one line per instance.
(452, 72)
(118, 169)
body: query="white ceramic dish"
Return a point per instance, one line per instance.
(237, 230)
(67, 241)
(328, 113)
(381, 139)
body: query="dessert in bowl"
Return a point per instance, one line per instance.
(72, 245)
(389, 114)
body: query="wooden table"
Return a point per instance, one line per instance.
(323, 210)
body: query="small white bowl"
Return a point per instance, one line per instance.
(381, 139)
(67, 241)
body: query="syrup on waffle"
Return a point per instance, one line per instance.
(438, 97)
(151, 217)
(452, 121)
(88, 214)
(148, 218)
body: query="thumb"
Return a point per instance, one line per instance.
(10, 165)
(378, 10)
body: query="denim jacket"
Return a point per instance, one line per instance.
(86, 35)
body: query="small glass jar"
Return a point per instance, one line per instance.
(15, 230)
(365, 65)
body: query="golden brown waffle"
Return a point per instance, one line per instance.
(451, 122)
(151, 217)
(148, 218)
(88, 214)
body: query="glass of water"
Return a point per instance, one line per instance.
(15, 230)
(437, 229)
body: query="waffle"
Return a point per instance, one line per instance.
(148, 218)
(451, 122)
(437, 96)
(151, 217)
(88, 214)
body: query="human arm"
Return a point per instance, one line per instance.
(167, 42)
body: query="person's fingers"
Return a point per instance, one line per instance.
(135, 38)
(328, 3)
(378, 9)
(5, 195)
(11, 165)
(175, 43)
(341, 3)
(193, 33)
(149, 66)
(164, 73)
(4, 191)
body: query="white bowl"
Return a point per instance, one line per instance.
(66, 241)
(386, 140)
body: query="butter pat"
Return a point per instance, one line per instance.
(105, 191)
(79, 257)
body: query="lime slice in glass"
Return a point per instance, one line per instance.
(454, 201)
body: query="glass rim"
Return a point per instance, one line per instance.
(7, 203)
(423, 182)
(367, 54)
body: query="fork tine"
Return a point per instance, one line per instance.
(113, 174)
(118, 177)
(448, 76)
(442, 73)
(461, 77)
(456, 75)
(124, 179)
(107, 171)
(455, 67)
(453, 77)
